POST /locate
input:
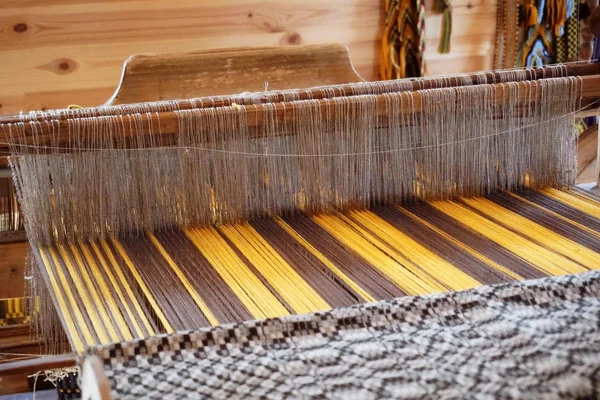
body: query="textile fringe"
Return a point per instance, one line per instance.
(403, 43)
(445, 8)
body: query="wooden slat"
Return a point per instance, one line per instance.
(168, 76)
(12, 265)
(38, 364)
(587, 149)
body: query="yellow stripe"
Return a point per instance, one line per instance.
(556, 215)
(421, 273)
(88, 305)
(137, 329)
(289, 284)
(566, 247)
(143, 287)
(580, 203)
(62, 303)
(463, 246)
(117, 318)
(255, 296)
(391, 264)
(18, 305)
(585, 194)
(87, 334)
(438, 268)
(186, 283)
(107, 321)
(9, 307)
(361, 292)
(539, 257)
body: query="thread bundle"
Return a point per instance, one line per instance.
(336, 154)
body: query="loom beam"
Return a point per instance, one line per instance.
(319, 92)
(166, 123)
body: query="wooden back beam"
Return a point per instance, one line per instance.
(167, 122)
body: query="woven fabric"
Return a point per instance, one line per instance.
(534, 339)
(572, 34)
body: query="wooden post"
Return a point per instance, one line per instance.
(94, 384)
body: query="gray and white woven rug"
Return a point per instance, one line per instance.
(529, 340)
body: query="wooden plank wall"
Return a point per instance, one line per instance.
(61, 52)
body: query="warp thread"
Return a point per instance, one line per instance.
(333, 155)
(45, 323)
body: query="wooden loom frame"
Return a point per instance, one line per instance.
(149, 78)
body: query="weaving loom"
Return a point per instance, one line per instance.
(246, 245)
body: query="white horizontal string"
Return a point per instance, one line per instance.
(255, 154)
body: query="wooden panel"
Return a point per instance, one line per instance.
(12, 266)
(587, 149)
(71, 52)
(203, 73)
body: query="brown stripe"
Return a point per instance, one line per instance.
(60, 288)
(146, 307)
(256, 272)
(215, 292)
(548, 221)
(78, 267)
(172, 297)
(560, 208)
(435, 242)
(335, 291)
(592, 195)
(474, 240)
(46, 286)
(524, 236)
(361, 272)
(121, 286)
(95, 279)
(116, 298)
(74, 291)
